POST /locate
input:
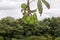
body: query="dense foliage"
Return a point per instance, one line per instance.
(47, 29)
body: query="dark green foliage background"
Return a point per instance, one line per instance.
(16, 29)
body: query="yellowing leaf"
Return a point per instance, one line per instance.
(46, 3)
(40, 9)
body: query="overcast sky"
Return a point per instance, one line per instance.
(12, 8)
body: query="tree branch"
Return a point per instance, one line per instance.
(28, 7)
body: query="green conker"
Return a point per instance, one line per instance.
(23, 5)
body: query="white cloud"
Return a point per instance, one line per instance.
(8, 5)
(9, 8)
(53, 12)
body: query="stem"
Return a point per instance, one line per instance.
(28, 7)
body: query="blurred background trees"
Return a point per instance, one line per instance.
(47, 29)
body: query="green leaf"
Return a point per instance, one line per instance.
(40, 9)
(46, 3)
(35, 21)
(27, 18)
(31, 22)
(34, 16)
(24, 19)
